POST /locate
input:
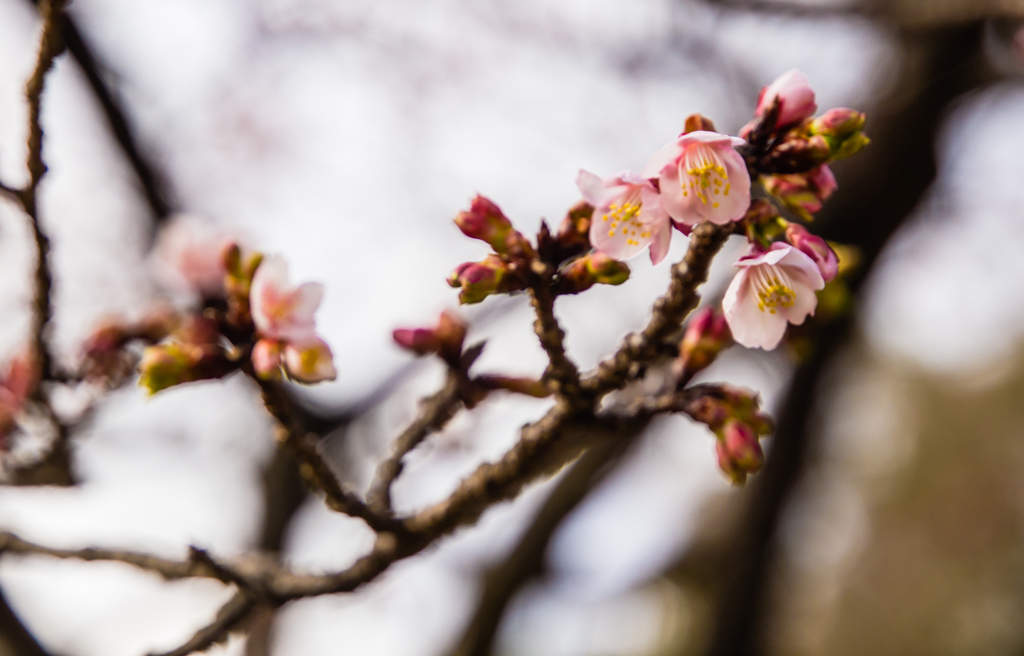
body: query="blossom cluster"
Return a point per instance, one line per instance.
(701, 176)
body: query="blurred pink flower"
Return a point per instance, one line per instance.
(189, 256)
(795, 94)
(279, 310)
(16, 386)
(309, 362)
(772, 288)
(702, 178)
(266, 358)
(628, 215)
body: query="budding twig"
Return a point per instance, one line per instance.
(435, 412)
(562, 372)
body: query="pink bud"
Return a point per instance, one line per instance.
(479, 280)
(266, 358)
(815, 248)
(795, 95)
(839, 122)
(706, 335)
(739, 452)
(310, 362)
(420, 341)
(485, 221)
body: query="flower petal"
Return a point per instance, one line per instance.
(730, 202)
(750, 326)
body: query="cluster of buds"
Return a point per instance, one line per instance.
(194, 351)
(515, 263)
(105, 357)
(285, 322)
(735, 416)
(707, 334)
(446, 341)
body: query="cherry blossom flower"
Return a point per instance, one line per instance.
(628, 215)
(795, 95)
(702, 178)
(279, 310)
(189, 256)
(284, 318)
(772, 288)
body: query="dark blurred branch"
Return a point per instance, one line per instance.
(894, 176)
(230, 615)
(526, 561)
(434, 413)
(153, 187)
(15, 639)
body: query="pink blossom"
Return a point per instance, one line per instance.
(189, 256)
(815, 248)
(628, 215)
(772, 288)
(309, 362)
(702, 178)
(279, 310)
(795, 94)
(266, 358)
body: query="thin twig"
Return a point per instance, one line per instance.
(314, 469)
(228, 618)
(669, 311)
(562, 374)
(50, 46)
(435, 411)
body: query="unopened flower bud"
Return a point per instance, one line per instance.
(802, 193)
(309, 362)
(762, 223)
(706, 335)
(266, 358)
(799, 153)
(485, 221)
(739, 452)
(816, 248)
(850, 146)
(595, 268)
(796, 98)
(696, 122)
(572, 236)
(479, 280)
(166, 365)
(838, 123)
(446, 338)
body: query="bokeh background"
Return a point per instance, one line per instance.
(345, 135)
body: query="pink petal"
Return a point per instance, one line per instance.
(591, 187)
(733, 206)
(750, 326)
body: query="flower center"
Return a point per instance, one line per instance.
(774, 288)
(625, 216)
(705, 174)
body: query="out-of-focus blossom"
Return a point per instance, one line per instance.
(628, 215)
(595, 268)
(739, 451)
(706, 335)
(796, 98)
(284, 316)
(839, 122)
(189, 256)
(280, 310)
(309, 362)
(702, 178)
(266, 358)
(815, 248)
(446, 338)
(193, 352)
(803, 193)
(772, 288)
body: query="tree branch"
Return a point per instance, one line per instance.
(435, 412)
(231, 614)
